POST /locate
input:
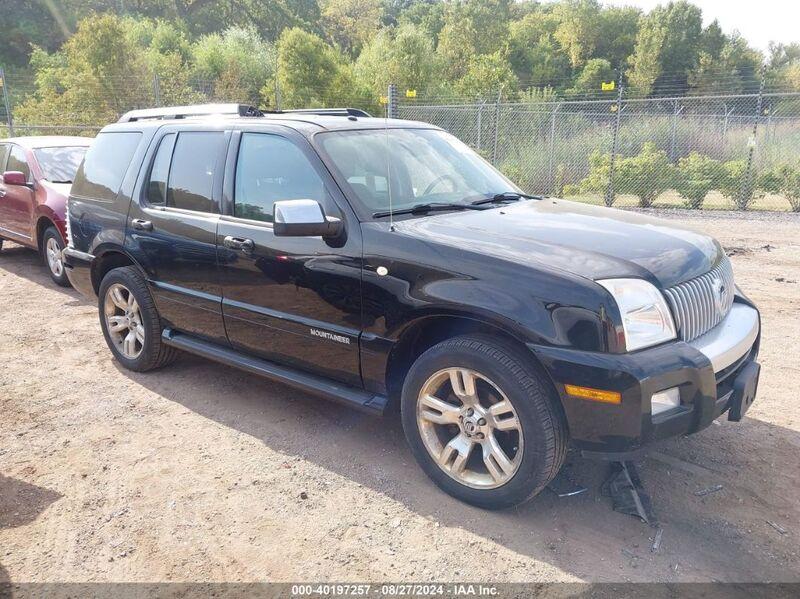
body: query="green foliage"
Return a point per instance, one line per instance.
(696, 175)
(596, 71)
(488, 74)
(350, 24)
(783, 179)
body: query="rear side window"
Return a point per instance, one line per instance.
(271, 168)
(3, 155)
(105, 165)
(18, 162)
(191, 176)
(157, 187)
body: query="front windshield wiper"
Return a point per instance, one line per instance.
(506, 196)
(57, 181)
(425, 208)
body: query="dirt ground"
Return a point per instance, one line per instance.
(201, 473)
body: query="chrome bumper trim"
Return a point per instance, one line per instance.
(730, 339)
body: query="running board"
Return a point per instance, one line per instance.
(310, 383)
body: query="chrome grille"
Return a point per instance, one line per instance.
(700, 304)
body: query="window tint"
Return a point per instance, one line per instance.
(59, 164)
(191, 176)
(157, 187)
(18, 162)
(271, 168)
(105, 165)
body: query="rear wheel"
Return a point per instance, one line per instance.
(52, 246)
(130, 322)
(482, 422)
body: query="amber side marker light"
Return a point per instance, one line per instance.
(593, 394)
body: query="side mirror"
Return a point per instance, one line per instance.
(303, 218)
(14, 178)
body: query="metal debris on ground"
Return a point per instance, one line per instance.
(708, 491)
(777, 527)
(657, 541)
(563, 485)
(627, 494)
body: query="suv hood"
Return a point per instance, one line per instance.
(589, 241)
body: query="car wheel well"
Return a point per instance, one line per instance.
(42, 225)
(105, 263)
(426, 333)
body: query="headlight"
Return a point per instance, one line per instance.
(646, 319)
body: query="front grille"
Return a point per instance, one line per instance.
(700, 304)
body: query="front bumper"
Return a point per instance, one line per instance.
(78, 266)
(712, 373)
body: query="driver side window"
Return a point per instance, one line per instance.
(270, 168)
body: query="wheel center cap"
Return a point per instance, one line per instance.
(470, 426)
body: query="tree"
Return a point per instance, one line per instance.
(456, 48)
(310, 72)
(234, 65)
(97, 75)
(667, 48)
(596, 71)
(577, 28)
(534, 54)
(734, 70)
(616, 35)
(488, 75)
(646, 175)
(350, 24)
(403, 56)
(783, 179)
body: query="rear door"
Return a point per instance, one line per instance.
(16, 201)
(172, 227)
(292, 300)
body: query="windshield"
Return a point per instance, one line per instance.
(59, 165)
(425, 166)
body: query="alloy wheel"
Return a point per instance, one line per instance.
(53, 254)
(470, 428)
(124, 321)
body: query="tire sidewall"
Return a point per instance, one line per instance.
(49, 233)
(136, 285)
(533, 470)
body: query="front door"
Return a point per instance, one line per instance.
(294, 300)
(16, 201)
(172, 228)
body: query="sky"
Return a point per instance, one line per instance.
(759, 21)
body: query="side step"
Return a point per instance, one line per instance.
(310, 383)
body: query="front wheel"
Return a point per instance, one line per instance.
(130, 322)
(52, 246)
(482, 422)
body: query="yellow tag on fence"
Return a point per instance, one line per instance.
(607, 86)
(383, 99)
(411, 93)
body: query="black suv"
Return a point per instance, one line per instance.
(382, 262)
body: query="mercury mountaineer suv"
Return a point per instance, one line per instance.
(383, 263)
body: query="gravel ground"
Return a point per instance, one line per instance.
(202, 473)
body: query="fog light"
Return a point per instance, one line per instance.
(665, 400)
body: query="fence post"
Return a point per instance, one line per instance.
(496, 126)
(391, 106)
(550, 177)
(747, 190)
(676, 112)
(156, 90)
(480, 130)
(7, 103)
(609, 198)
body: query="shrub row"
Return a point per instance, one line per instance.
(650, 173)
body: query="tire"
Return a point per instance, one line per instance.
(140, 319)
(52, 246)
(538, 445)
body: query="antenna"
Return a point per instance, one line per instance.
(389, 104)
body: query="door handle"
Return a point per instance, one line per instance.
(142, 225)
(238, 243)
(2, 193)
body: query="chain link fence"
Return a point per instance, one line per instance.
(724, 152)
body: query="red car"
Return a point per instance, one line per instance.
(37, 176)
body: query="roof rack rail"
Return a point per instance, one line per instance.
(327, 111)
(182, 112)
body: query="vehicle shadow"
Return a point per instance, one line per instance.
(705, 532)
(26, 263)
(20, 503)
